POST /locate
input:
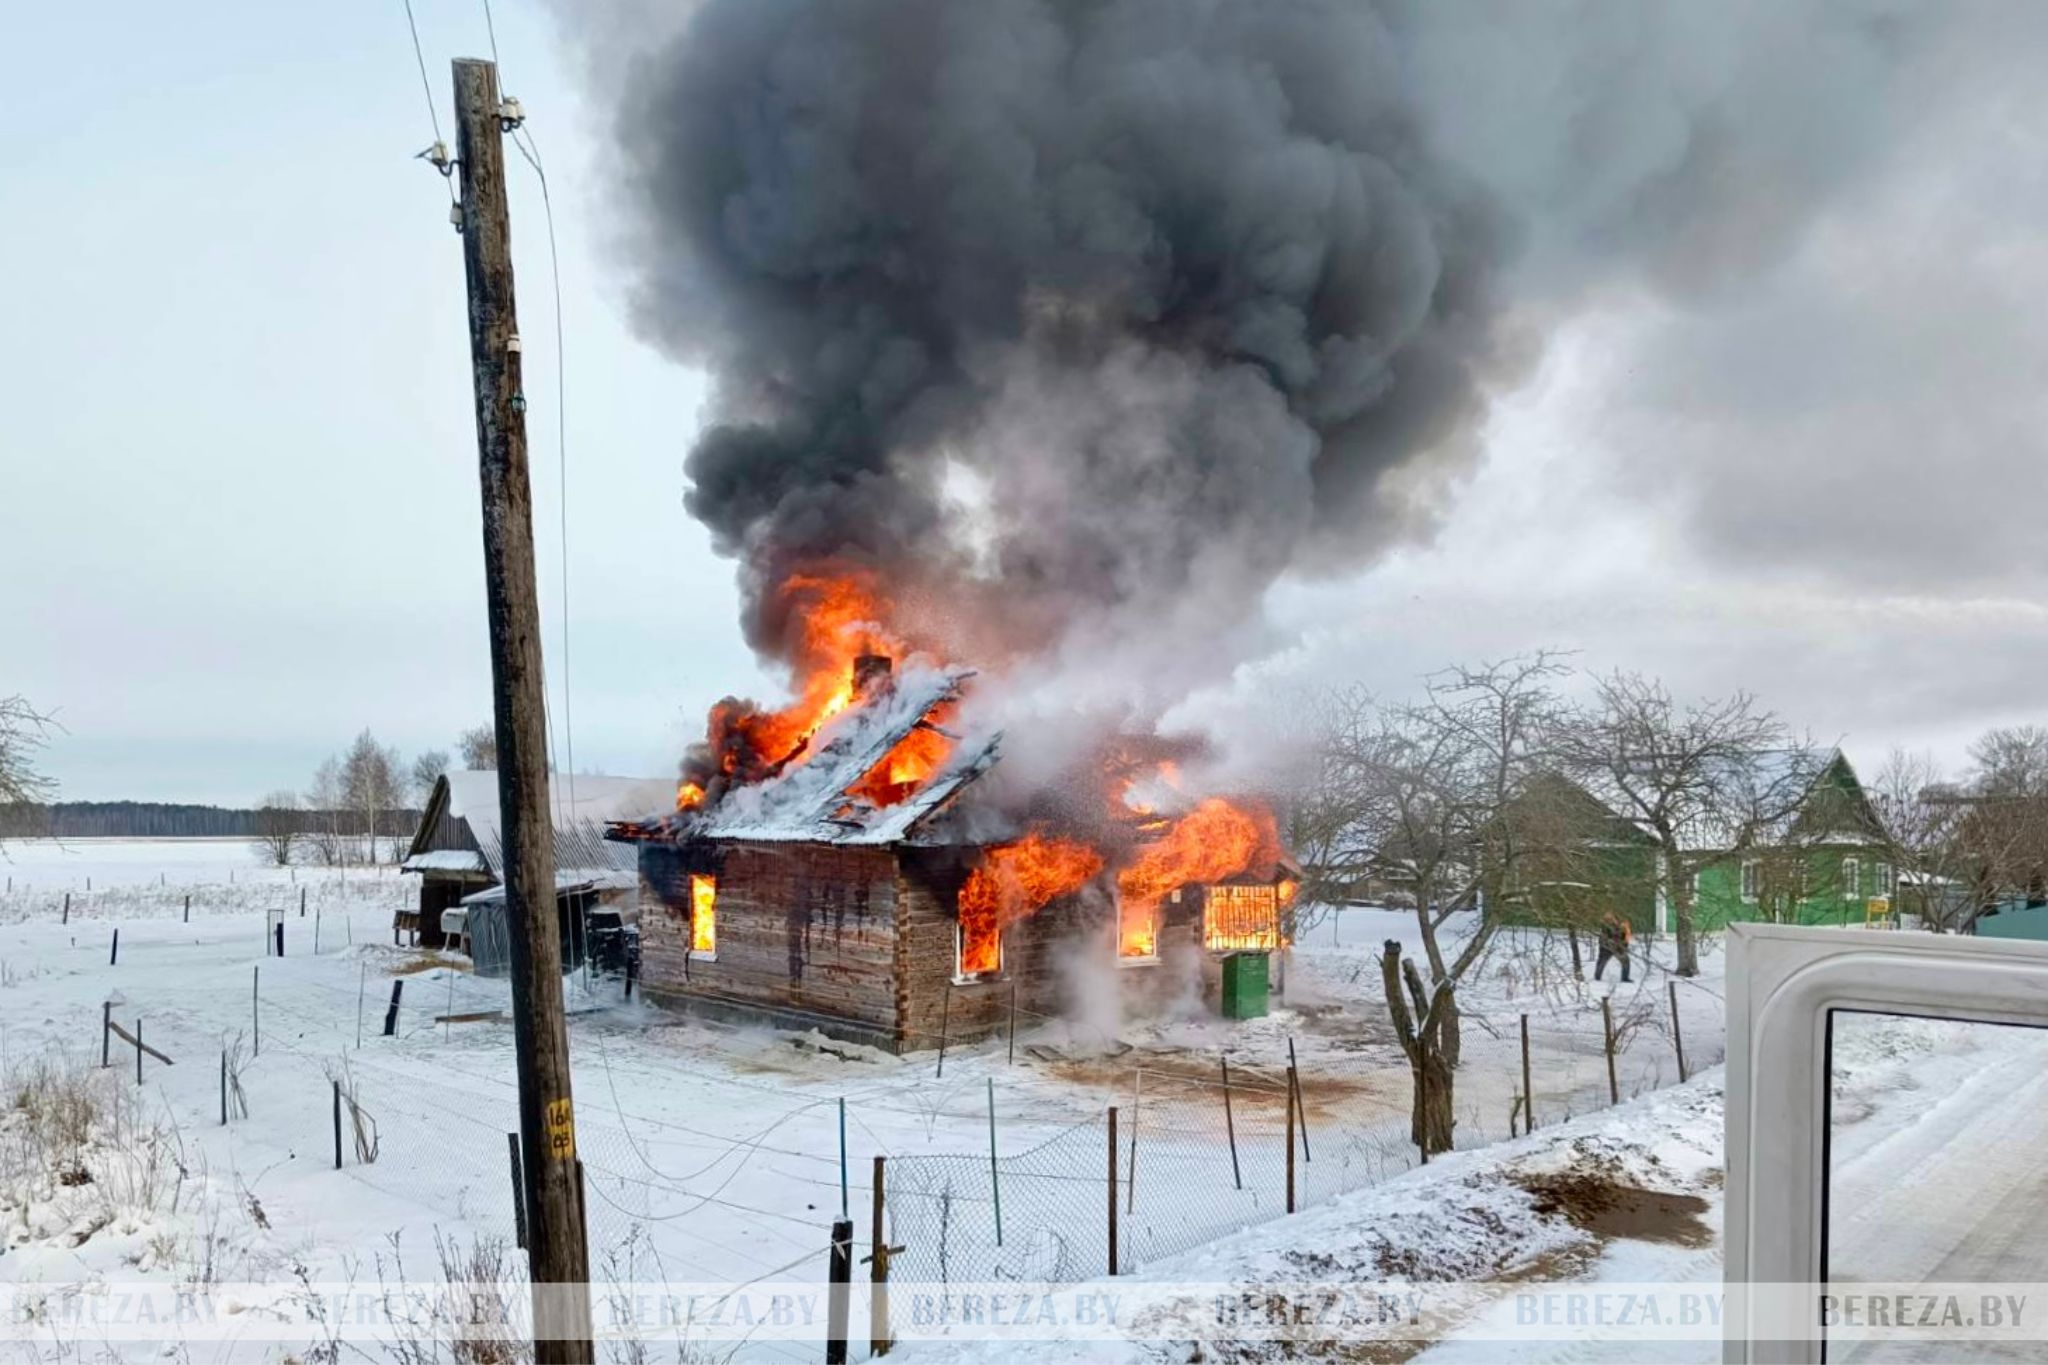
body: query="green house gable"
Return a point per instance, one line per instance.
(1823, 867)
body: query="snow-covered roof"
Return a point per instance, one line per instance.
(811, 800)
(445, 860)
(566, 881)
(581, 806)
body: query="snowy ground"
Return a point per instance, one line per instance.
(712, 1154)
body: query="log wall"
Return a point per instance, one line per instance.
(806, 932)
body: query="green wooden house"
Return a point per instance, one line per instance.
(1576, 863)
(1580, 860)
(1823, 864)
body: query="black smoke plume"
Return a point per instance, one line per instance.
(1078, 323)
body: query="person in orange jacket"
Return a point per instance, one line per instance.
(1614, 940)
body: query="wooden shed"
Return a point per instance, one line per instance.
(456, 851)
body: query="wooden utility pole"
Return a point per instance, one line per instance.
(559, 1259)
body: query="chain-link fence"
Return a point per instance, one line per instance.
(1185, 1158)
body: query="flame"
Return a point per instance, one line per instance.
(837, 620)
(1239, 918)
(1013, 881)
(703, 914)
(1215, 840)
(689, 796)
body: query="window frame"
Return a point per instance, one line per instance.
(962, 977)
(1749, 881)
(1852, 878)
(700, 954)
(1785, 982)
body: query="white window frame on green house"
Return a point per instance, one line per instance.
(1751, 880)
(1852, 878)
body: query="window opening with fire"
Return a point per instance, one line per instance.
(704, 917)
(1138, 931)
(1242, 918)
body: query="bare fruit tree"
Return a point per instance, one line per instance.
(1709, 780)
(23, 787)
(1427, 786)
(279, 824)
(479, 748)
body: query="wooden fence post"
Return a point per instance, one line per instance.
(1607, 1027)
(114, 953)
(1528, 1090)
(106, 1033)
(945, 1023)
(138, 1049)
(223, 1087)
(188, 909)
(1677, 1034)
(280, 936)
(337, 1125)
(67, 908)
(1112, 1190)
(878, 1273)
(1290, 1149)
(1230, 1128)
(837, 1305)
(302, 901)
(391, 1010)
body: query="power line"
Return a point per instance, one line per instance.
(436, 155)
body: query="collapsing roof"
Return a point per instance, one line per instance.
(817, 797)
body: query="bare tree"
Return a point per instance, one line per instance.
(1721, 774)
(1421, 788)
(371, 781)
(279, 824)
(327, 800)
(479, 748)
(427, 769)
(24, 789)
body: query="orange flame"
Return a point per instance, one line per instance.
(703, 914)
(1013, 881)
(837, 619)
(1213, 841)
(689, 796)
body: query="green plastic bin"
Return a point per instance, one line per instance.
(1244, 986)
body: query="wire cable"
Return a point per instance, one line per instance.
(436, 155)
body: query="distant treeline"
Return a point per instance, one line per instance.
(170, 820)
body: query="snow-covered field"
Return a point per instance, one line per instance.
(712, 1155)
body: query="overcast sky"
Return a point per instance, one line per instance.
(239, 516)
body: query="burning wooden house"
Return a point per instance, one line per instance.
(857, 886)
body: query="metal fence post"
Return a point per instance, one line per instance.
(1230, 1129)
(1112, 1190)
(518, 1192)
(838, 1304)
